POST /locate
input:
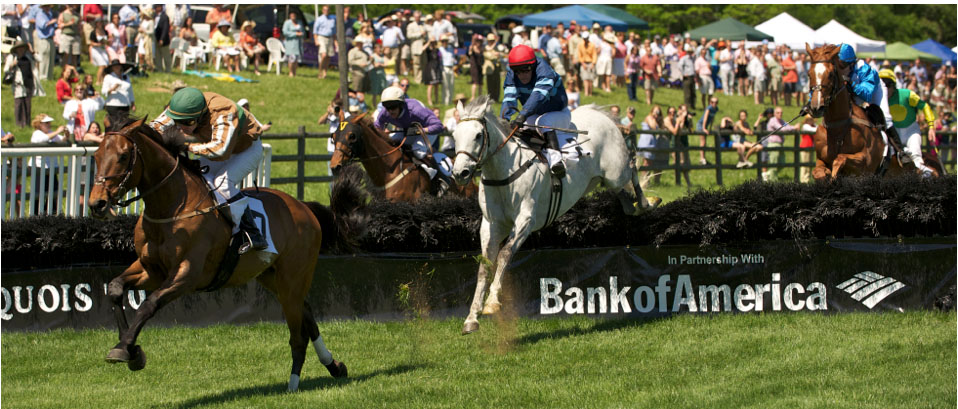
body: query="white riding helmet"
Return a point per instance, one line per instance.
(393, 94)
(392, 98)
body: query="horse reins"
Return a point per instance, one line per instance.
(100, 180)
(485, 141)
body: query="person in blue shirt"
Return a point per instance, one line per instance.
(869, 92)
(531, 81)
(46, 26)
(324, 28)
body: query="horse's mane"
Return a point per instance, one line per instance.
(170, 145)
(481, 108)
(366, 121)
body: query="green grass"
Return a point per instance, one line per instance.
(874, 360)
(293, 102)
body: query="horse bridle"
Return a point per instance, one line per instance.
(485, 142)
(836, 90)
(351, 148)
(121, 187)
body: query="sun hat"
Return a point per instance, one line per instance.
(242, 102)
(491, 37)
(608, 37)
(187, 103)
(222, 23)
(46, 118)
(518, 29)
(596, 26)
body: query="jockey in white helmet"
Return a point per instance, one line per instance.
(409, 115)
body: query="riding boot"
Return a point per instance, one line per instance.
(441, 182)
(894, 139)
(558, 168)
(255, 239)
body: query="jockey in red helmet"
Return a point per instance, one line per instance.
(533, 83)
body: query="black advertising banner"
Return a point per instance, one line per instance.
(780, 276)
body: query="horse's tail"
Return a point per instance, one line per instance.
(346, 218)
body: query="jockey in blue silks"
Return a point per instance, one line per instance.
(404, 112)
(531, 81)
(868, 90)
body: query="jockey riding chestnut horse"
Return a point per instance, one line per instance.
(228, 146)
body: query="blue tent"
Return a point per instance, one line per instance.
(933, 47)
(582, 16)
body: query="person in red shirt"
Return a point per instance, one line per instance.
(219, 12)
(790, 79)
(65, 84)
(651, 70)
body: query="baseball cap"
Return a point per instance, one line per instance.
(46, 118)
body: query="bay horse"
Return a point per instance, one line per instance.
(847, 143)
(181, 237)
(518, 194)
(388, 166)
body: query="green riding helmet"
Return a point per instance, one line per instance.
(187, 103)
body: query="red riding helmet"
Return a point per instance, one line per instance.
(521, 55)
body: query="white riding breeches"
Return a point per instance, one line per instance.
(567, 142)
(224, 177)
(420, 149)
(911, 144)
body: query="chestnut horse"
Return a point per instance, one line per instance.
(388, 166)
(181, 237)
(847, 143)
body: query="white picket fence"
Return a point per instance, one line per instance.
(29, 189)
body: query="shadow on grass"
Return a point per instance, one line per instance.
(596, 327)
(279, 388)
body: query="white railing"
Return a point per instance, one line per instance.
(29, 189)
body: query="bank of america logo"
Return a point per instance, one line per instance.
(870, 288)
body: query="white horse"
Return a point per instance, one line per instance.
(519, 195)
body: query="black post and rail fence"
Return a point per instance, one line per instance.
(713, 153)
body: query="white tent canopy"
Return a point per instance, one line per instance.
(789, 31)
(834, 32)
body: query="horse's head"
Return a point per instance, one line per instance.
(349, 143)
(118, 168)
(824, 80)
(472, 138)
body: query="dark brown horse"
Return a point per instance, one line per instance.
(388, 166)
(181, 237)
(847, 143)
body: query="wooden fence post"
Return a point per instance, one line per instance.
(797, 153)
(301, 163)
(718, 158)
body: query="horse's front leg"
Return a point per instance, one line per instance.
(520, 232)
(490, 236)
(179, 282)
(821, 171)
(135, 276)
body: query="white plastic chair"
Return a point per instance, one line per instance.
(202, 32)
(181, 50)
(276, 51)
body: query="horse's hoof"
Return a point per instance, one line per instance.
(117, 355)
(470, 327)
(139, 359)
(337, 369)
(491, 309)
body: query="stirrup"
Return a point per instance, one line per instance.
(252, 238)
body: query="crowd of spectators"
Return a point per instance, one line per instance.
(409, 46)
